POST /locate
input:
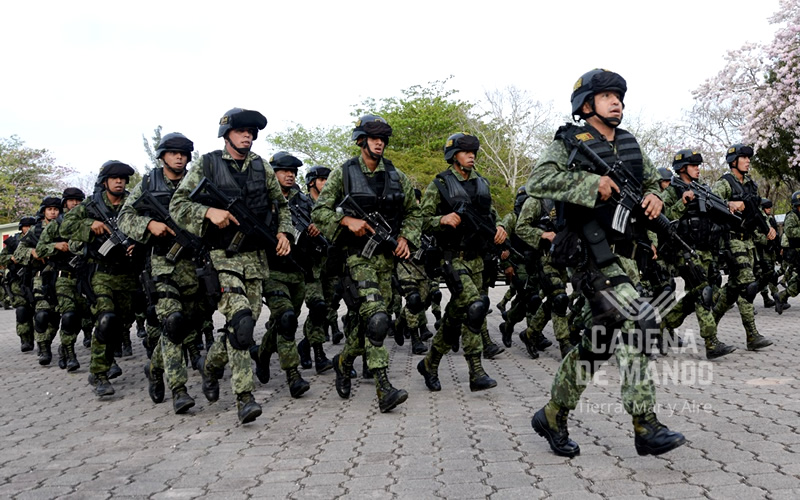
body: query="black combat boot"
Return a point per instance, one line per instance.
(653, 437)
(181, 400)
(25, 345)
(336, 334)
(321, 361)
(506, 330)
(248, 409)
(297, 385)
(62, 356)
(342, 366)
(304, 350)
(72, 359)
(490, 349)
(478, 379)
(102, 387)
(541, 341)
(565, 346)
(768, 302)
(45, 354)
(262, 362)
(529, 345)
(755, 340)
(388, 396)
(428, 367)
(155, 382)
(141, 331)
(210, 383)
(127, 348)
(417, 345)
(87, 338)
(716, 349)
(366, 373)
(425, 334)
(550, 422)
(115, 371)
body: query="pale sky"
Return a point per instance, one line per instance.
(85, 80)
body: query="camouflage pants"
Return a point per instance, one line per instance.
(692, 300)
(575, 372)
(525, 286)
(741, 255)
(331, 293)
(470, 273)
(282, 296)
(372, 279)
(42, 304)
(113, 293)
(315, 333)
(24, 328)
(241, 276)
(70, 300)
(412, 278)
(178, 291)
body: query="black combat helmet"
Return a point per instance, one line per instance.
(665, 174)
(766, 203)
(72, 193)
(26, 221)
(736, 151)
(115, 168)
(460, 142)
(593, 82)
(241, 118)
(372, 126)
(51, 201)
(316, 172)
(686, 157)
(796, 198)
(175, 141)
(285, 161)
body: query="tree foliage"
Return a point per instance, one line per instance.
(26, 176)
(327, 146)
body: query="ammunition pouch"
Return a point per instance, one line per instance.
(568, 250)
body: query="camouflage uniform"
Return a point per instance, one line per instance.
(112, 279)
(367, 281)
(742, 286)
(790, 243)
(24, 310)
(766, 251)
(241, 275)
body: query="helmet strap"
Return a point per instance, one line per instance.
(609, 122)
(241, 151)
(374, 156)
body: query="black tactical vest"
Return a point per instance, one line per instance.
(473, 192)
(696, 227)
(118, 254)
(250, 186)
(364, 191)
(628, 153)
(155, 183)
(741, 192)
(299, 253)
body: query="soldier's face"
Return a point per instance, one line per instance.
(176, 160)
(320, 183)
(241, 137)
(376, 145)
(606, 104)
(116, 185)
(71, 203)
(693, 171)
(50, 213)
(743, 163)
(25, 229)
(466, 159)
(285, 178)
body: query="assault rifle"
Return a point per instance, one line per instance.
(183, 239)
(48, 276)
(249, 224)
(710, 204)
(383, 231)
(301, 220)
(25, 284)
(115, 237)
(630, 196)
(478, 225)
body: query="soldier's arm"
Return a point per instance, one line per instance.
(77, 225)
(23, 252)
(650, 178)
(131, 223)
(530, 213)
(276, 195)
(551, 179)
(324, 212)
(428, 205)
(673, 204)
(411, 229)
(47, 245)
(185, 212)
(722, 189)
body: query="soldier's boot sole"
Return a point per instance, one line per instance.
(566, 448)
(249, 412)
(663, 441)
(719, 350)
(431, 380)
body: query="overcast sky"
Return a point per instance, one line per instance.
(85, 80)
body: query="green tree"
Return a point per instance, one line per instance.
(26, 176)
(327, 146)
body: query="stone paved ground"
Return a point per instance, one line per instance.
(58, 441)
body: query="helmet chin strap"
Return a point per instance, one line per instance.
(175, 171)
(241, 151)
(610, 122)
(372, 155)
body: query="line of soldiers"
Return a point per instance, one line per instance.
(235, 232)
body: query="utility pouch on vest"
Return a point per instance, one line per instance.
(598, 244)
(567, 250)
(209, 280)
(149, 287)
(350, 292)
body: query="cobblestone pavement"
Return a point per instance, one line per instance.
(739, 414)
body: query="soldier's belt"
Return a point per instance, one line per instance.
(66, 274)
(118, 269)
(741, 235)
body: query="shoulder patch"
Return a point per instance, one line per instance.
(585, 136)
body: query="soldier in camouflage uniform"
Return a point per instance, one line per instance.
(285, 291)
(444, 210)
(601, 258)
(768, 253)
(45, 317)
(243, 175)
(24, 309)
(112, 270)
(742, 287)
(701, 232)
(176, 299)
(71, 306)
(790, 244)
(376, 186)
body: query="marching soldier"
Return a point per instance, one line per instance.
(24, 309)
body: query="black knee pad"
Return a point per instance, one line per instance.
(41, 320)
(559, 304)
(476, 312)
(749, 291)
(317, 312)
(176, 327)
(24, 314)
(378, 326)
(152, 317)
(707, 297)
(647, 328)
(71, 322)
(107, 327)
(243, 326)
(414, 303)
(486, 302)
(287, 325)
(436, 296)
(534, 301)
